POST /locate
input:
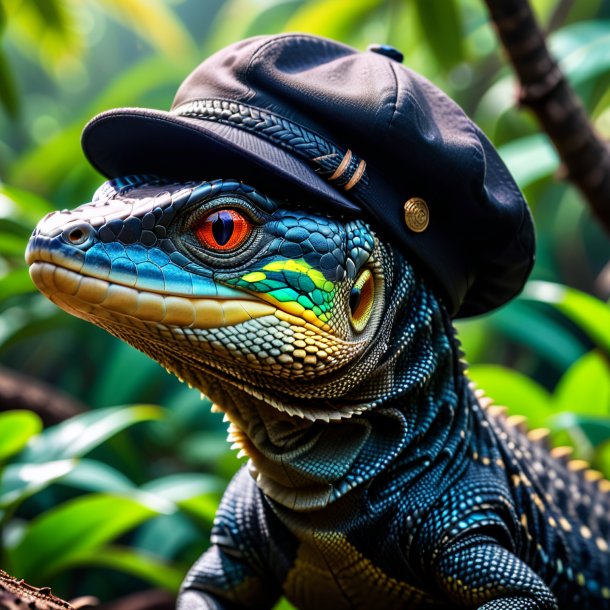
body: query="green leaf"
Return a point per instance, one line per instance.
(331, 18)
(54, 14)
(601, 458)
(12, 245)
(112, 386)
(263, 20)
(85, 524)
(51, 165)
(284, 604)
(180, 487)
(586, 431)
(142, 565)
(46, 166)
(24, 204)
(46, 31)
(585, 387)
(15, 282)
(92, 475)
(197, 494)
(474, 336)
(16, 429)
(588, 313)
(170, 536)
(202, 508)
(20, 481)
(582, 49)
(527, 324)
(441, 24)
(157, 24)
(519, 393)
(2, 17)
(530, 158)
(239, 19)
(205, 447)
(33, 316)
(82, 433)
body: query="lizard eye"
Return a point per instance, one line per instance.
(361, 299)
(223, 230)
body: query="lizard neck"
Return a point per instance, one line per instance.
(411, 414)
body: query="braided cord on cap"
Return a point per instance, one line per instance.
(340, 167)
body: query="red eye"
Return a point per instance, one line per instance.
(223, 230)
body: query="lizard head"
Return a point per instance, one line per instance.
(275, 309)
(220, 283)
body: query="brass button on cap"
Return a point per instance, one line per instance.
(417, 214)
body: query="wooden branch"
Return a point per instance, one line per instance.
(19, 391)
(15, 594)
(546, 91)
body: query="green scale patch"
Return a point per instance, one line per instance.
(291, 281)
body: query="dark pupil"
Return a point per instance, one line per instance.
(222, 227)
(354, 299)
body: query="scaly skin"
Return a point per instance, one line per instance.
(376, 478)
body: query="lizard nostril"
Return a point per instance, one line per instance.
(78, 235)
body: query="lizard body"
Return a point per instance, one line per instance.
(376, 477)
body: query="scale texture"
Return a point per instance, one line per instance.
(377, 477)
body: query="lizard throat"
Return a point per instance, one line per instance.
(418, 421)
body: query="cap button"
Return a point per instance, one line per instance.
(417, 214)
(387, 50)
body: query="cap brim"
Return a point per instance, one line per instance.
(142, 141)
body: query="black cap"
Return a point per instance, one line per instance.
(356, 133)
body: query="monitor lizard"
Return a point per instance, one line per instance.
(377, 477)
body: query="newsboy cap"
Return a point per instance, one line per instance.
(353, 133)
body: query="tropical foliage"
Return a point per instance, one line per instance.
(129, 506)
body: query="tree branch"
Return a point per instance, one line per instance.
(16, 594)
(19, 391)
(546, 91)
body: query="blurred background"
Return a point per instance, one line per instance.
(111, 470)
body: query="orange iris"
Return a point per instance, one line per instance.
(223, 230)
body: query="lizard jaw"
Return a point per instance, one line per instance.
(203, 330)
(80, 295)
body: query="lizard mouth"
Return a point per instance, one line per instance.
(84, 294)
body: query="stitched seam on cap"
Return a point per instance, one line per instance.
(393, 69)
(254, 56)
(412, 99)
(275, 39)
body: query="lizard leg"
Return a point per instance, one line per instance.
(487, 576)
(235, 573)
(222, 579)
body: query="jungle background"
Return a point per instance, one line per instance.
(110, 469)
